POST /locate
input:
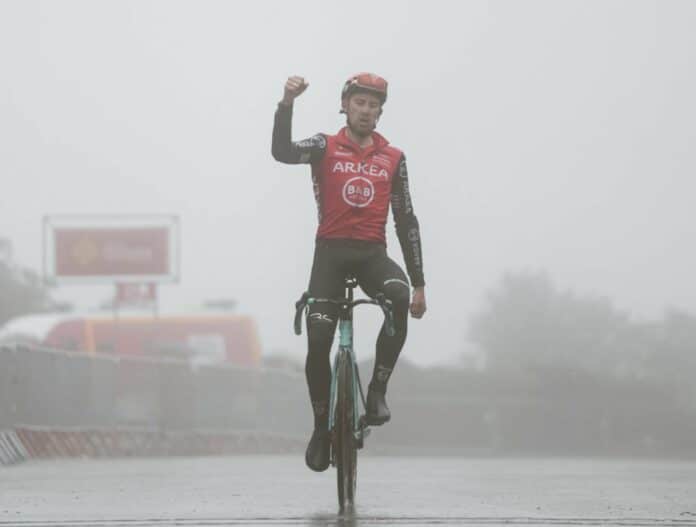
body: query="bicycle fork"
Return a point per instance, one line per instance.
(345, 351)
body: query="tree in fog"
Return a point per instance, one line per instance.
(672, 358)
(527, 324)
(21, 292)
(528, 327)
(583, 373)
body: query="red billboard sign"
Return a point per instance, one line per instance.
(111, 249)
(81, 252)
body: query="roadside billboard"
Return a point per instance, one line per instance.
(111, 249)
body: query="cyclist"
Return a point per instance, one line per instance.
(356, 174)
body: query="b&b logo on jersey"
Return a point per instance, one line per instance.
(358, 192)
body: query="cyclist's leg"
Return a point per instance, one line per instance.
(381, 274)
(326, 281)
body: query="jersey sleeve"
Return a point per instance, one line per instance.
(406, 223)
(285, 150)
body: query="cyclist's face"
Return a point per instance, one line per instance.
(363, 111)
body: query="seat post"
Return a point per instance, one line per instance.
(350, 283)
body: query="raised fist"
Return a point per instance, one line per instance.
(293, 88)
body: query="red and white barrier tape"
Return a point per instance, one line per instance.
(23, 443)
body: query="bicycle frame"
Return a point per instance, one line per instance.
(345, 345)
(346, 459)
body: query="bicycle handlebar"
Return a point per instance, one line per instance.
(299, 307)
(379, 300)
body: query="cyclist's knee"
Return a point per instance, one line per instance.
(399, 293)
(320, 331)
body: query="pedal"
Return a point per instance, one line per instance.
(359, 437)
(362, 432)
(332, 452)
(364, 429)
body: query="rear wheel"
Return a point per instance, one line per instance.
(346, 454)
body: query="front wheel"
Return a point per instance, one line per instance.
(346, 453)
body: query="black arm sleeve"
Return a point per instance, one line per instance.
(282, 147)
(407, 225)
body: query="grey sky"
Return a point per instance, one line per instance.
(539, 135)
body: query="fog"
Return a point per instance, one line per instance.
(540, 136)
(551, 163)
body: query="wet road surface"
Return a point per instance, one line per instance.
(279, 490)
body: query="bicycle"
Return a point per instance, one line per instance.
(347, 428)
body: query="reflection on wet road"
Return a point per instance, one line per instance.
(278, 490)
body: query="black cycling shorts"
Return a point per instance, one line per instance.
(335, 259)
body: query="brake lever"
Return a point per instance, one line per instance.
(299, 307)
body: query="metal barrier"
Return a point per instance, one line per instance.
(55, 403)
(64, 404)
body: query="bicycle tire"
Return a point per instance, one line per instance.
(346, 451)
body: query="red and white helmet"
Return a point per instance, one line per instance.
(365, 82)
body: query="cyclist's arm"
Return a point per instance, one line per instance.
(285, 150)
(406, 224)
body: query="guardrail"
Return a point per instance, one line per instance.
(72, 400)
(55, 403)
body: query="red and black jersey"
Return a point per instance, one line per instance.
(354, 187)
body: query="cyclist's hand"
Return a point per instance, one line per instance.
(293, 88)
(418, 302)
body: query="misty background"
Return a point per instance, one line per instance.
(550, 138)
(551, 165)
